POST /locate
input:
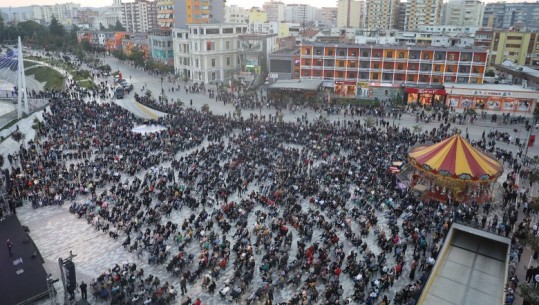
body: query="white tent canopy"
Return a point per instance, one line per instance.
(148, 129)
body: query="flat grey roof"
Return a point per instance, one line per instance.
(471, 270)
(300, 84)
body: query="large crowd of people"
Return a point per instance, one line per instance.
(250, 210)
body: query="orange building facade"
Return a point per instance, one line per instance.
(422, 71)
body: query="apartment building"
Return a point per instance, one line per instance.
(275, 10)
(350, 14)
(207, 53)
(139, 16)
(522, 48)
(300, 13)
(463, 13)
(381, 14)
(64, 12)
(236, 14)
(422, 12)
(352, 66)
(165, 14)
(198, 12)
(502, 15)
(256, 15)
(327, 17)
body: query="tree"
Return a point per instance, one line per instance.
(101, 27)
(117, 27)
(1, 28)
(55, 28)
(137, 56)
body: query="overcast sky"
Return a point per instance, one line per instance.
(97, 3)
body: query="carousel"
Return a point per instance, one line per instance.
(453, 170)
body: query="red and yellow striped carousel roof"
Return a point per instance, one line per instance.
(457, 158)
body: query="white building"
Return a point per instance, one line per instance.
(448, 29)
(62, 12)
(350, 13)
(275, 10)
(300, 13)
(139, 16)
(463, 13)
(207, 53)
(236, 14)
(107, 18)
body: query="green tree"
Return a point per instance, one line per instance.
(137, 56)
(1, 28)
(55, 28)
(101, 27)
(117, 27)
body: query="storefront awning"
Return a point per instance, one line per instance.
(425, 91)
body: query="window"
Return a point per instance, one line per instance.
(364, 75)
(435, 79)
(376, 65)
(340, 63)
(437, 68)
(365, 54)
(318, 51)
(400, 67)
(339, 73)
(387, 76)
(212, 31)
(375, 75)
(329, 74)
(228, 61)
(317, 73)
(401, 54)
(451, 56)
(426, 56)
(341, 53)
(352, 74)
(228, 30)
(213, 76)
(377, 54)
(389, 54)
(213, 62)
(398, 77)
(387, 66)
(330, 52)
(195, 31)
(364, 65)
(423, 79)
(196, 63)
(412, 67)
(210, 46)
(307, 62)
(477, 58)
(352, 64)
(410, 78)
(227, 45)
(307, 51)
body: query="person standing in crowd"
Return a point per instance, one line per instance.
(83, 290)
(9, 247)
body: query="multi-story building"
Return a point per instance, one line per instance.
(422, 12)
(236, 14)
(165, 14)
(380, 14)
(207, 53)
(502, 15)
(62, 12)
(400, 19)
(198, 12)
(161, 46)
(522, 48)
(483, 38)
(300, 13)
(463, 13)
(350, 13)
(107, 19)
(256, 15)
(275, 10)
(327, 17)
(353, 67)
(139, 16)
(84, 16)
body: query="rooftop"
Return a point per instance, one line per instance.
(397, 47)
(297, 84)
(493, 87)
(472, 269)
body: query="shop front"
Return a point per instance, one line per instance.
(425, 96)
(345, 88)
(504, 98)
